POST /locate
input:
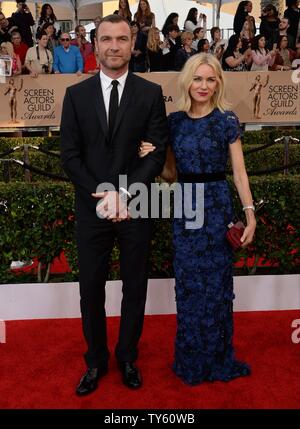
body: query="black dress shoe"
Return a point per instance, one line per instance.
(89, 381)
(131, 376)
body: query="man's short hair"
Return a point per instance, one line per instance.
(132, 23)
(40, 34)
(113, 19)
(173, 27)
(284, 17)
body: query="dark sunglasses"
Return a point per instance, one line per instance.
(65, 40)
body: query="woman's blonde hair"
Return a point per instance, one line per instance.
(9, 48)
(186, 35)
(186, 79)
(152, 42)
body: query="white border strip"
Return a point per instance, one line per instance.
(61, 300)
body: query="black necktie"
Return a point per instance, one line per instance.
(113, 106)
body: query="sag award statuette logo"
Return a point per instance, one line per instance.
(257, 87)
(279, 100)
(283, 100)
(39, 104)
(12, 91)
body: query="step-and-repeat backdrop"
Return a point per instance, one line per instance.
(256, 97)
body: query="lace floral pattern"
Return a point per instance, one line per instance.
(203, 257)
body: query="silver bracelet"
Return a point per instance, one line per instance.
(124, 194)
(249, 207)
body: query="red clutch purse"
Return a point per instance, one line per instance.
(235, 233)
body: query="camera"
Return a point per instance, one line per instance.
(45, 67)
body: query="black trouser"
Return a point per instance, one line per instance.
(95, 241)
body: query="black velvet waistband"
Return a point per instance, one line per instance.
(201, 178)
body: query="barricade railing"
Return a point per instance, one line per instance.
(28, 167)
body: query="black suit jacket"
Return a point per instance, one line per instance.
(89, 158)
(170, 57)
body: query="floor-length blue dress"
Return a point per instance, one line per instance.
(202, 256)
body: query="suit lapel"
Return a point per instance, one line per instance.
(126, 97)
(97, 97)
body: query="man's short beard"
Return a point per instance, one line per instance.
(115, 68)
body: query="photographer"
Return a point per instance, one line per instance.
(23, 20)
(192, 21)
(38, 59)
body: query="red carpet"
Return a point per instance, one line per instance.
(42, 361)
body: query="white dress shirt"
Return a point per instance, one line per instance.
(107, 87)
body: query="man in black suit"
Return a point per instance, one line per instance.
(104, 120)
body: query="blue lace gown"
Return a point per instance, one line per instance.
(203, 257)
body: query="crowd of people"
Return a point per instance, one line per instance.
(42, 47)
